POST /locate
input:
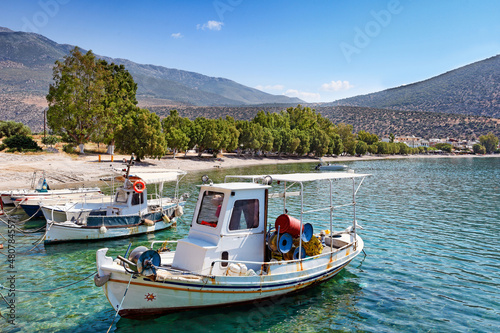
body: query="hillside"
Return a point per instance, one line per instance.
(378, 121)
(471, 90)
(26, 61)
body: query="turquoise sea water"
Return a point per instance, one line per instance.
(432, 239)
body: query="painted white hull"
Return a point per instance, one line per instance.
(8, 197)
(181, 292)
(68, 231)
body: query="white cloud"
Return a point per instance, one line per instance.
(210, 25)
(336, 86)
(276, 87)
(307, 96)
(177, 35)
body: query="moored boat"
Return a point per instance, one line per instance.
(32, 205)
(232, 254)
(132, 211)
(41, 190)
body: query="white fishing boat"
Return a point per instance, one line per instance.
(41, 190)
(132, 211)
(231, 254)
(32, 205)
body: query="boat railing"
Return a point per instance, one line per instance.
(163, 242)
(261, 263)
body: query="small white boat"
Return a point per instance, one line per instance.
(231, 255)
(41, 190)
(322, 166)
(131, 212)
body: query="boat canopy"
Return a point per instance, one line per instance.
(305, 177)
(159, 177)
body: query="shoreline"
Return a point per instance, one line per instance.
(64, 170)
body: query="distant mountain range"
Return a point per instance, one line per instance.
(471, 90)
(464, 102)
(26, 61)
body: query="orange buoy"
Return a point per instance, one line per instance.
(139, 186)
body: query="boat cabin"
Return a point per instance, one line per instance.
(126, 202)
(229, 223)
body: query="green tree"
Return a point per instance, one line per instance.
(403, 148)
(347, 137)
(391, 137)
(444, 147)
(373, 149)
(336, 147)
(319, 142)
(141, 133)
(251, 135)
(490, 142)
(119, 100)
(478, 149)
(361, 147)
(176, 130)
(368, 138)
(304, 144)
(9, 128)
(76, 97)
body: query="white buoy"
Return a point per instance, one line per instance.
(103, 230)
(179, 211)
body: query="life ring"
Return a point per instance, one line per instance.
(139, 186)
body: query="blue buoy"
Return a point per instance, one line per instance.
(307, 232)
(299, 251)
(285, 243)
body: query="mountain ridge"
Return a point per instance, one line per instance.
(473, 89)
(27, 59)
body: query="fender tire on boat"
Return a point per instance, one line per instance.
(100, 281)
(141, 187)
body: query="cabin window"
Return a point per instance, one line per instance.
(224, 256)
(245, 215)
(137, 198)
(121, 196)
(210, 209)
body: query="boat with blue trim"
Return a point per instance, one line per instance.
(131, 212)
(233, 253)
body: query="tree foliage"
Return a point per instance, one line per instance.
(489, 142)
(444, 147)
(20, 142)
(89, 98)
(9, 128)
(141, 134)
(478, 149)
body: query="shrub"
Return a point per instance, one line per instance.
(50, 140)
(69, 148)
(10, 128)
(20, 143)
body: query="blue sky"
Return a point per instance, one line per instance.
(318, 51)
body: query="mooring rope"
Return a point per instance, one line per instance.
(48, 290)
(25, 232)
(119, 306)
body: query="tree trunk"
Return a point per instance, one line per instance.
(111, 149)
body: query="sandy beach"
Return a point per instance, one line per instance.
(64, 170)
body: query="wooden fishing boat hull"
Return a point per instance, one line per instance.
(66, 232)
(177, 293)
